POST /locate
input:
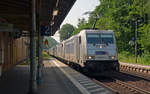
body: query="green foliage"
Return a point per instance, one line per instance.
(66, 31)
(145, 38)
(129, 58)
(80, 28)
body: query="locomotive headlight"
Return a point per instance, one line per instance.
(100, 46)
(90, 57)
(113, 57)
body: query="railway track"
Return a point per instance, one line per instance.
(141, 75)
(121, 87)
(131, 88)
(125, 83)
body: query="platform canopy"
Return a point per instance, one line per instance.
(49, 12)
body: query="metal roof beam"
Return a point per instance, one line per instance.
(11, 5)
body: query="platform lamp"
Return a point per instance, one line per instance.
(55, 12)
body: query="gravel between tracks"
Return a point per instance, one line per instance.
(126, 84)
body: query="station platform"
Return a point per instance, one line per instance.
(57, 79)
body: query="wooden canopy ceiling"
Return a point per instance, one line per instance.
(18, 12)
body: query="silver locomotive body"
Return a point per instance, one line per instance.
(94, 50)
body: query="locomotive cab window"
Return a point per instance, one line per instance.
(107, 38)
(97, 38)
(93, 38)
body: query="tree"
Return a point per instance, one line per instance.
(66, 31)
(83, 26)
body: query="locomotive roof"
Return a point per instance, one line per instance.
(93, 30)
(96, 31)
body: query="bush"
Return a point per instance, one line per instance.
(130, 58)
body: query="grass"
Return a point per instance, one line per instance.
(128, 58)
(45, 55)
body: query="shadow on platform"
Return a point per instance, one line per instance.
(16, 81)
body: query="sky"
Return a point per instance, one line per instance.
(77, 11)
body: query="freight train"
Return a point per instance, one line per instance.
(91, 50)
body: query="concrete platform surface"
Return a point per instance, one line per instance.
(16, 81)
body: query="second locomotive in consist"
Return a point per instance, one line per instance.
(91, 50)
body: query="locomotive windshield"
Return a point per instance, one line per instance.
(98, 38)
(107, 38)
(93, 38)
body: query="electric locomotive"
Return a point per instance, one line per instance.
(99, 50)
